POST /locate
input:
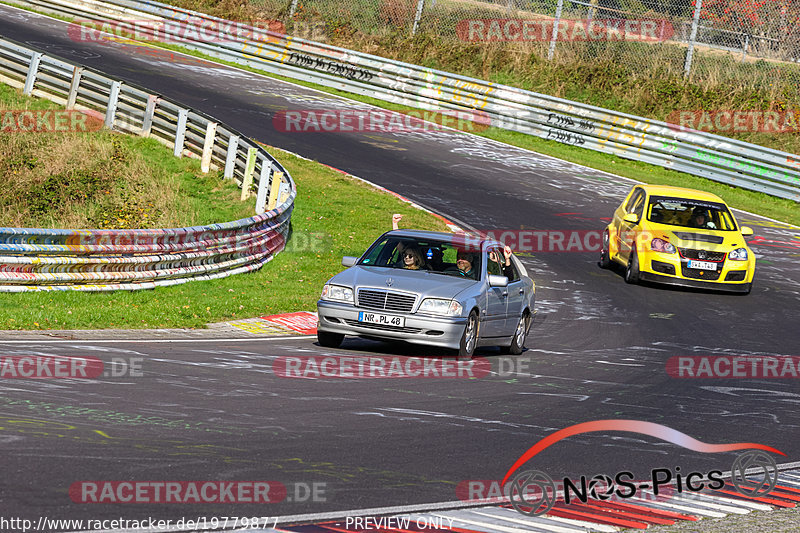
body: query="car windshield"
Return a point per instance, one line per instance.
(434, 256)
(688, 213)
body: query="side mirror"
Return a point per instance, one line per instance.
(497, 281)
(746, 231)
(632, 218)
(349, 261)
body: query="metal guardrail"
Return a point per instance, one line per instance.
(718, 158)
(101, 260)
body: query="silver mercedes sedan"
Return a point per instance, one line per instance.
(442, 289)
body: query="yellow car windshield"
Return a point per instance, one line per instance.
(687, 213)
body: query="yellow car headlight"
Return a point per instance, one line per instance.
(660, 245)
(739, 254)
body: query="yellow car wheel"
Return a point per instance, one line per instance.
(605, 257)
(632, 272)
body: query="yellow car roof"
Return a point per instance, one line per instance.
(681, 192)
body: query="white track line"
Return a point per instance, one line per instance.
(532, 521)
(159, 341)
(471, 518)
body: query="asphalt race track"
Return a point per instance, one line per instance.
(597, 350)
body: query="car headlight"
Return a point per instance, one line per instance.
(436, 306)
(660, 245)
(739, 254)
(337, 293)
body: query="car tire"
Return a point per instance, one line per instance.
(632, 272)
(518, 340)
(329, 340)
(605, 258)
(469, 339)
(747, 288)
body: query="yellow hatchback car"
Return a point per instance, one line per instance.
(681, 237)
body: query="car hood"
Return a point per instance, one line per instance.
(703, 239)
(417, 281)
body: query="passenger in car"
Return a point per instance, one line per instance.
(412, 258)
(508, 270)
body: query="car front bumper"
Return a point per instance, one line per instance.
(430, 330)
(697, 284)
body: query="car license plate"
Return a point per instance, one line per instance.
(386, 320)
(703, 265)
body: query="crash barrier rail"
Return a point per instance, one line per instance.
(703, 154)
(101, 260)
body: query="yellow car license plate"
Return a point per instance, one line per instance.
(703, 265)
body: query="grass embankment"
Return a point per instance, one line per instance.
(100, 179)
(334, 216)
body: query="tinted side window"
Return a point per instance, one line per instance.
(638, 206)
(635, 196)
(493, 264)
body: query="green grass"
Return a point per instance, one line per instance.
(334, 215)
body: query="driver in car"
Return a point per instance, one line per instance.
(464, 262)
(700, 219)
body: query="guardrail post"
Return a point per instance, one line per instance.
(208, 147)
(687, 67)
(230, 157)
(111, 109)
(180, 132)
(417, 16)
(292, 8)
(77, 72)
(249, 169)
(149, 111)
(33, 69)
(283, 193)
(553, 38)
(263, 183)
(274, 191)
(746, 44)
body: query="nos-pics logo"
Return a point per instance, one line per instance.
(534, 492)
